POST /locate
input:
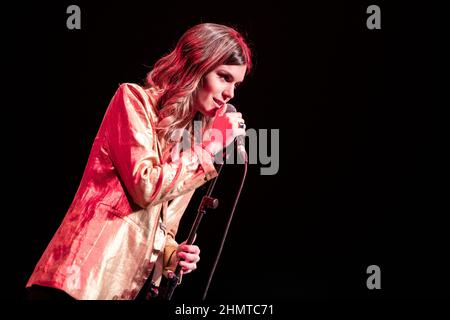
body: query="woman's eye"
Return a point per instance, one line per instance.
(226, 78)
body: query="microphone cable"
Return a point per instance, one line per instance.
(211, 274)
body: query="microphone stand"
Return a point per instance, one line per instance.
(207, 203)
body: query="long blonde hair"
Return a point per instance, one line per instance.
(175, 78)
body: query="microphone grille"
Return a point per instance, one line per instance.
(230, 108)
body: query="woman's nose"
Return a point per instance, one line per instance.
(228, 93)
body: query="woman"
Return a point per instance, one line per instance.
(119, 232)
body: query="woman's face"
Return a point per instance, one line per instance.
(218, 88)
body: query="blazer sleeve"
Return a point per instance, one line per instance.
(132, 146)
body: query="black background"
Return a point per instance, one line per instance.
(358, 180)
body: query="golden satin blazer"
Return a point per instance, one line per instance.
(120, 226)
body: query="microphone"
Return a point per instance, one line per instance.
(240, 140)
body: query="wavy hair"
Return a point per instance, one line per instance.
(175, 78)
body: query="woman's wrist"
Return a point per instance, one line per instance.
(210, 147)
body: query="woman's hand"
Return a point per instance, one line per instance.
(188, 255)
(225, 127)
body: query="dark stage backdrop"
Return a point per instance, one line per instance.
(358, 174)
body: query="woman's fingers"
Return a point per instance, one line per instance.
(239, 132)
(187, 267)
(234, 114)
(190, 248)
(189, 263)
(189, 257)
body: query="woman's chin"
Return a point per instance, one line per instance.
(209, 113)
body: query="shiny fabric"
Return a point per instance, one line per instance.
(122, 222)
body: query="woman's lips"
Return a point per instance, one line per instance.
(218, 103)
